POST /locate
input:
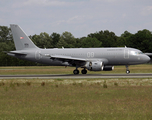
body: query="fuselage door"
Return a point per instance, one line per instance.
(38, 55)
(126, 53)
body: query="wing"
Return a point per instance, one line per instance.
(149, 54)
(67, 58)
(73, 60)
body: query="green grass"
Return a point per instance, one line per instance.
(76, 99)
(147, 68)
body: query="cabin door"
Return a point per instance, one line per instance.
(126, 53)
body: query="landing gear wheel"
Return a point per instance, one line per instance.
(84, 71)
(127, 71)
(76, 72)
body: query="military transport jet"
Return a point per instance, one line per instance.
(93, 59)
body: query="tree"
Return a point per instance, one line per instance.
(108, 39)
(67, 40)
(78, 43)
(126, 34)
(55, 39)
(5, 33)
(90, 42)
(141, 40)
(43, 40)
(122, 40)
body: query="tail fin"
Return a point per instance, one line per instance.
(21, 40)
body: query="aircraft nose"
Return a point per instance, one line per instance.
(146, 58)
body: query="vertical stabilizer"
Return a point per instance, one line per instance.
(21, 40)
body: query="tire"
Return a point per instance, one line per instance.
(84, 71)
(76, 72)
(127, 71)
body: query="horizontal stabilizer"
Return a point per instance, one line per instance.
(16, 52)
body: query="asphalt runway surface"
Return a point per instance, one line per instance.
(71, 76)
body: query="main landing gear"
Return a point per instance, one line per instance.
(84, 71)
(127, 69)
(76, 71)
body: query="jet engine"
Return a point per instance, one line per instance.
(108, 68)
(98, 66)
(94, 66)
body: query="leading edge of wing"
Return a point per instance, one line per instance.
(60, 57)
(69, 58)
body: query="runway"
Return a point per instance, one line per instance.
(71, 76)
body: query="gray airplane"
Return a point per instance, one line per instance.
(93, 59)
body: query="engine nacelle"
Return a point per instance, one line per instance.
(108, 68)
(94, 66)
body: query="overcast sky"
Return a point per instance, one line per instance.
(80, 17)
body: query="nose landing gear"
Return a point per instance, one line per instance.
(127, 69)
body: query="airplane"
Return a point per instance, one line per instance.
(92, 59)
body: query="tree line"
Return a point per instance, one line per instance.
(141, 40)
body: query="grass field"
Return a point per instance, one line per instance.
(75, 99)
(92, 99)
(147, 68)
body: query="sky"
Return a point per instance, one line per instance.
(79, 17)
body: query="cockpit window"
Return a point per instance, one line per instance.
(136, 52)
(140, 52)
(133, 52)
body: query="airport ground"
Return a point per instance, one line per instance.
(29, 70)
(75, 99)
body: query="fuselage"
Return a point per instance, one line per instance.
(110, 56)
